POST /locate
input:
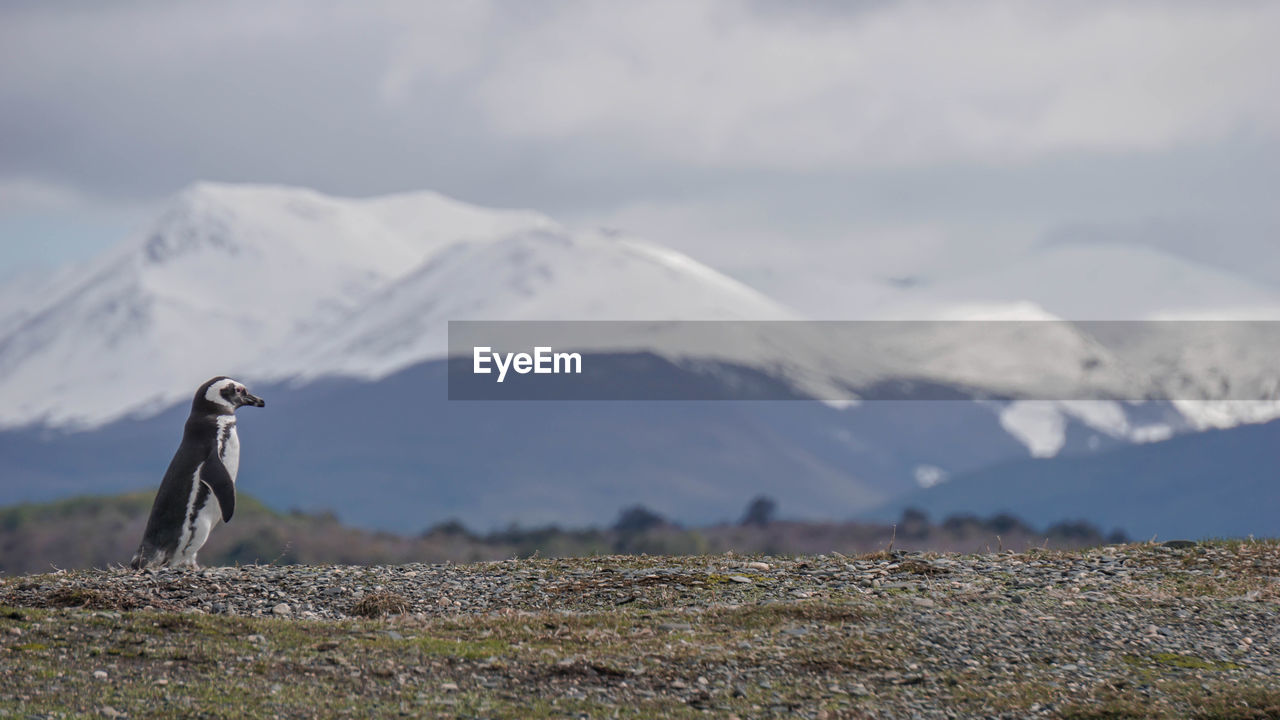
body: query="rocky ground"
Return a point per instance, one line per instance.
(1120, 631)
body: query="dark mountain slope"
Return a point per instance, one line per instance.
(1213, 484)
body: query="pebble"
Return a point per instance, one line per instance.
(329, 592)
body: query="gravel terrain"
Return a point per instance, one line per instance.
(1120, 631)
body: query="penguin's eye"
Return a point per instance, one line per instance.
(240, 390)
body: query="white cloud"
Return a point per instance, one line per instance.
(379, 88)
(433, 47)
(715, 84)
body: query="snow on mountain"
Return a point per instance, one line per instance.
(24, 295)
(225, 278)
(1211, 369)
(538, 275)
(17, 296)
(1042, 425)
(555, 275)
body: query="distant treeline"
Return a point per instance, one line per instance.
(104, 531)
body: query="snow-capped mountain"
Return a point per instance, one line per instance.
(273, 283)
(221, 283)
(278, 283)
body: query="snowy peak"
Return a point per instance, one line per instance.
(596, 276)
(432, 221)
(225, 250)
(226, 277)
(389, 234)
(199, 219)
(534, 275)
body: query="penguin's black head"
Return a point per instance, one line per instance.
(227, 395)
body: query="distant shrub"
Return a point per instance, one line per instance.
(961, 523)
(760, 512)
(637, 519)
(914, 523)
(1004, 523)
(452, 528)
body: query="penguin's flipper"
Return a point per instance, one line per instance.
(214, 474)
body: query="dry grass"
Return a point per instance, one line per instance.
(92, 599)
(915, 567)
(380, 604)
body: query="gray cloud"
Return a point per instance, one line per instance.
(720, 124)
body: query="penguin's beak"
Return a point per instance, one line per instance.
(254, 400)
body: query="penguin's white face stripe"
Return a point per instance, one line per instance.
(214, 393)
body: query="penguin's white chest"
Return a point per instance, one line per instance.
(229, 446)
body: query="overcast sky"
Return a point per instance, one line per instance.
(779, 141)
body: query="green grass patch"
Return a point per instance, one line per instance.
(462, 649)
(1186, 662)
(31, 647)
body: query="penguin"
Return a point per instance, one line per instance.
(199, 488)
